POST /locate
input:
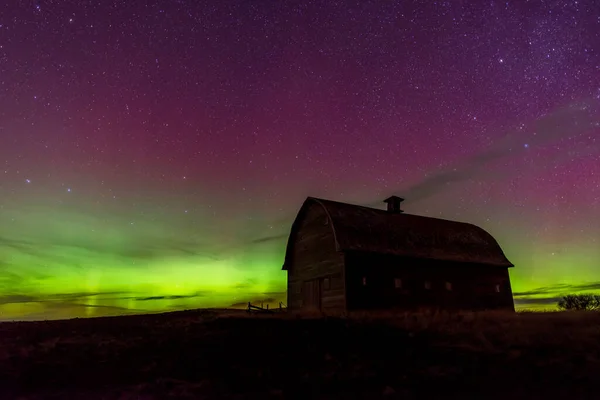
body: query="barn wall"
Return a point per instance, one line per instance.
(473, 287)
(315, 271)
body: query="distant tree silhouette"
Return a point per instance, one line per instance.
(580, 302)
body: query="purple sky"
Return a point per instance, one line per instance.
(210, 122)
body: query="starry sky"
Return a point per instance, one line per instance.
(153, 154)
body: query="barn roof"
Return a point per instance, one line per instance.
(358, 228)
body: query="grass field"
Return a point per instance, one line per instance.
(229, 354)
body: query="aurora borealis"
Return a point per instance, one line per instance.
(154, 154)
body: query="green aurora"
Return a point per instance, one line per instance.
(153, 155)
(69, 261)
(62, 263)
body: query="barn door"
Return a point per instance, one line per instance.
(311, 292)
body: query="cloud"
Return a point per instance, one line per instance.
(169, 297)
(559, 289)
(52, 311)
(247, 284)
(16, 298)
(572, 121)
(59, 306)
(64, 234)
(269, 239)
(10, 279)
(537, 301)
(545, 296)
(52, 298)
(33, 252)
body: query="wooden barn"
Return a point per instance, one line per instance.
(343, 257)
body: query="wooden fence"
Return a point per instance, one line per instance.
(261, 309)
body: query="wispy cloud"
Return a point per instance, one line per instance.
(54, 298)
(170, 297)
(548, 296)
(538, 301)
(17, 298)
(268, 239)
(59, 306)
(572, 121)
(559, 289)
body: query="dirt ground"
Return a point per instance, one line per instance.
(210, 355)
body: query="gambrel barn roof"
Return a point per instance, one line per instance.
(358, 228)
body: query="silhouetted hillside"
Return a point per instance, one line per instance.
(206, 354)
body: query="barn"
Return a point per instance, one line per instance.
(343, 257)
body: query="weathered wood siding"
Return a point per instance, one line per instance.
(315, 273)
(451, 285)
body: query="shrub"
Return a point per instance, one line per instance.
(580, 302)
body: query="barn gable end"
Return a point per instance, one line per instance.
(314, 264)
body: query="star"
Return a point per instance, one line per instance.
(241, 113)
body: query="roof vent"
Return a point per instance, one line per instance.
(393, 204)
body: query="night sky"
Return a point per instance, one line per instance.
(153, 154)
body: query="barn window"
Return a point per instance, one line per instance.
(497, 288)
(449, 286)
(364, 281)
(427, 285)
(398, 283)
(326, 284)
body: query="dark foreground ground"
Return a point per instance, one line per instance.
(204, 354)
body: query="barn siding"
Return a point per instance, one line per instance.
(473, 286)
(314, 260)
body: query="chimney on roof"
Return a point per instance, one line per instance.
(393, 204)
